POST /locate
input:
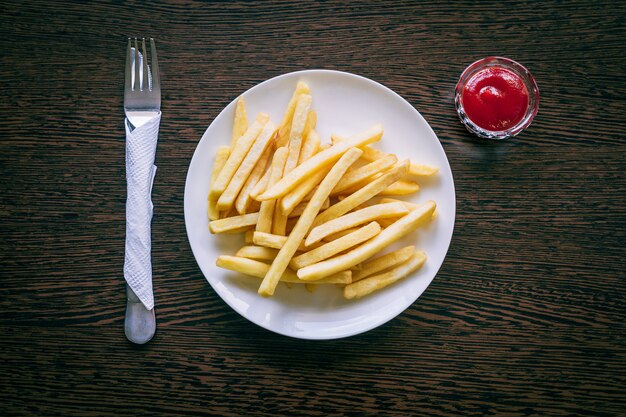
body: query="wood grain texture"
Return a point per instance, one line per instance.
(526, 316)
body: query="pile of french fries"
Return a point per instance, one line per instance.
(312, 213)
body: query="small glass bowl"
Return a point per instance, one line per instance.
(523, 73)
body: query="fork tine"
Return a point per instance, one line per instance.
(137, 84)
(145, 84)
(128, 72)
(156, 82)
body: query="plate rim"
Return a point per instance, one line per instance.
(374, 324)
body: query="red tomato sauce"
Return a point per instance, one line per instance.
(495, 99)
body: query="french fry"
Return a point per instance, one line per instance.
(357, 177)
(220, 160)
(270, 240)
(238, 230)
(422, 171)
(238, 153)
(381, 263)
(341, 234)
(240, 122)
(356, 218)
(401, 188)
(300, 208)
(310, 146)
(372, 154)
(258, 253)
(332, 248)
(227, 199)
(261, 185)
(408, 205)
(376, 282)
(285, 124)
(232, 223)
(259, 270)
(244, 199)
(302, 190)
(266, 213)
(279, 222)
(306, 220)
(364, 194)
(385, 223)
(320, 160)
(297, 128)
(400, 228)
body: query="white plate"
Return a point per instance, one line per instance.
(345, 104)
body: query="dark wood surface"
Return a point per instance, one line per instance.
(526, 316)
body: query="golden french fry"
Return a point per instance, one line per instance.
(310, 146)
(244, 199)
(227, 199)
(270, 240)
(300, 208)
(285, 124)
(259, 270)
(401, 188)
(238, 230)
(376, 282)
(220, 160)
(364, 194)
(341, 234)
(400, 228)
(357, 177)
(309, 126)
(238, 153)
(306, 220)
(279, 222)
(373, 154)
(385, 223)
(381, 263)
(320, 160)
(240, 122)
(408, 205)
(332, 248)
(297, 128)
(262, 184)
(300, 193)
(267, 207)
(259, 253)
(232, 223)
(421, 171)
(355, 218)
(304, 191)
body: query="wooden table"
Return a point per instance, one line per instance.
(526, 316)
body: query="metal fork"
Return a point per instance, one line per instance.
(142, 90)
(142, 102)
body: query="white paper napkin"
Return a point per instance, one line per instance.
(141, 145)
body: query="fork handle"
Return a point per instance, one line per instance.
(140, 323)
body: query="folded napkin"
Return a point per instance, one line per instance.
(141, 145)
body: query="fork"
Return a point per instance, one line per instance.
(142, 89)
(142, 102)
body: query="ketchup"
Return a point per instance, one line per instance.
(495, 98)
